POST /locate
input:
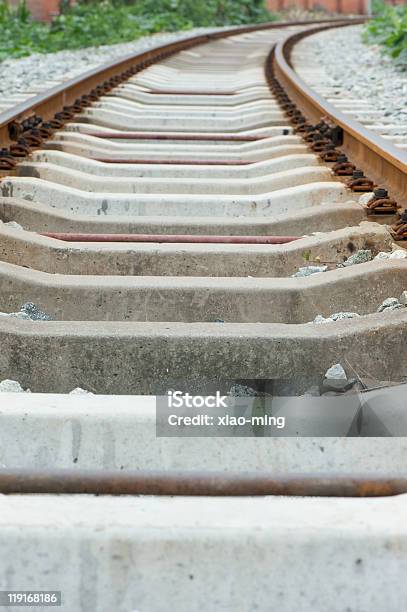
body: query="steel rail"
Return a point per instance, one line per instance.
(198, 483)
(174, 162)
(166, 238)
(173, 136)
(381, 160)
(53, 100)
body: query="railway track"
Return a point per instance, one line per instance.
(159, 212)
(366, 111)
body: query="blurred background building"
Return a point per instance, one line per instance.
(331, 6)
(44, 10)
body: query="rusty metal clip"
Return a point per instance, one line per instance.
(106, 87)
(302, 127)
(319, 143)
(86, 101)
(20, 149)
(33, 138)
(92, 96)
(399, 229)
(297, 118)
(77, 106)
(359, 182)
(292, 111)
(329, 153)
(67, 113)
(381, 204)
(45, 130)
(310, 134)
(343, 166)
(58, 122)
(7, 162)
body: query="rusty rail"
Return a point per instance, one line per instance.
(173, 162)
(380, 160)
(198, 483)
(204, 136)
(168, 238)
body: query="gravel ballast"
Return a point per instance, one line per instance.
(22, 78)
(339, 60)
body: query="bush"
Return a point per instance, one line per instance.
(389, 29)
(87, 25)
(94, 23)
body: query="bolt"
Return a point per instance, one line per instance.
(342, 158)
(380, 193)
(358, 174)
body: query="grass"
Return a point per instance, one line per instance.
(95, 23)
(389, 29)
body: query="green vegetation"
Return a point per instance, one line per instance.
(93, 23)
(389, 29)
(18, 36)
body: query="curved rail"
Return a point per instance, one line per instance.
(385, 163)
(53, 100)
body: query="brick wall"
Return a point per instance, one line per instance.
(332, 6)
(43, 10)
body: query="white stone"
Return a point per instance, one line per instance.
(336, 372)
(337, 316)
(399, 254)
(10, 386)
(383, 255)
(390, 303)
(365, 198)
(16, 315)
(28, 312)
(14, 225)
(360, 256)
(80, 391)
(308, 270)
(320, 319)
